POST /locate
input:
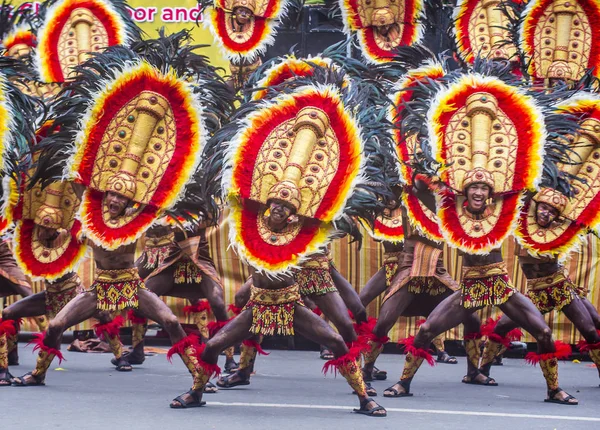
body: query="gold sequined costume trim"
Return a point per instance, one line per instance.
(273, 310)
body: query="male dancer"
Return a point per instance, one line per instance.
(125, 194)
(464, 219)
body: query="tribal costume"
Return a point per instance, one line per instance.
(243, 29)
(570, 211)
(302, 138)
(489, 145)
(142, 127)
(17, 122)
(417, 279)
(170, 259)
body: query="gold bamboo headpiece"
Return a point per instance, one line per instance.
(72, 30)
(553, 198)
(559, 38)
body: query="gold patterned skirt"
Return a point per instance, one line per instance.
(189, 260)
(422, 271)
(485, 285)
(551, 292)
(117, 289)
(273, 310)
(314, 277)
(391, 262)
(61, 292)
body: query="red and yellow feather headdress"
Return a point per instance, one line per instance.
(579, 213)
(484, 130)
(303, 148)
(367, 18)
(72, 29)
(561, 38)
(420, 217)
(251, 39)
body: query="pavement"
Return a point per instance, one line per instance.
(290, 392)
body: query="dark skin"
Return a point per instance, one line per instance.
(83, 306)
(164, 284)
(241, 17)
(404, 303)
(533, 267)
(35, 304)
(305, 321)
(450, 312)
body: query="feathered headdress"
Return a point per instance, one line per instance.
(134, 122)
(572, 186)
(72, 30)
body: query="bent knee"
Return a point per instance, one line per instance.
(171, 323)
(545, 335)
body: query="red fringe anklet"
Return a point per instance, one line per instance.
(111, 329)
(8, 327)
(134, 319)
(514, 335)
(563, 351)
(182, 345)
(254, 344)
(417, 352)
(505, 341)
(38, 343)
(488, 327)
(201, 306)
(352, 355)
(586, 346)
(209, 369)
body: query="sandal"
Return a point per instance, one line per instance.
(372, 392)
(226, 381)
(490, 382)
(396, 393)
(326, 355)
(210, 388)
(20, 381)
(6, 381)
(379, 375)
(370, 412)
(444, 357)
(195, 403)
(123, 365)
(565, 401)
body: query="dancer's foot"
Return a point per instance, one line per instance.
(210, 388)
(479, 379)
(371, 408)
(29, 380)
(444, 357)
(123, 365)
(5, 378)
(191, 399)
(326, 354)
(233, 380)
(561, 397)
(399, 389)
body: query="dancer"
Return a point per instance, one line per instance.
(550, 225)
(147, 117)
(480, 170)
(274, 226)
